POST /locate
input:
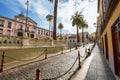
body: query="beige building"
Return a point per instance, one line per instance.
(71, 38)
(109, 32)
(92, 36)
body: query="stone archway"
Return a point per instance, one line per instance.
(20, 34)
(32, 35)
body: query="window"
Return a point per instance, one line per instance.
(46, 33)
(21, 26)
(33, 29)
(9, 24)
(38, 31)
(73, 40)
(86, 35)
(27, 29)
(1, 31)
(106, 3)
(8, 32)
(2, 22)
(41, 32)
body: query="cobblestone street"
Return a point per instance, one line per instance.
(51, 67)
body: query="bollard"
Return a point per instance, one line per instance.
(86, 52)
(89, 53)
(79, 66)
(2, 62)
(70, 48)
(62, 51)
(38, 77)
(76, 47)
(46, 53)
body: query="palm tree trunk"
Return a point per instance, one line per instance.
(77, 35)
(49, 29)
(55, 19)
(82, 36)
(60, 34)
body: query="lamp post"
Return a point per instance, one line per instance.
(27, 3)
(96, 30)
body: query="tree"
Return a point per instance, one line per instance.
(60, 26)
(55, 17)
(49, 18)
(76, 21)
(83, 25)
(21, 14)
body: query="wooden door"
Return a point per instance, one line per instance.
(116, 48)
(103, 45)
(106, 47)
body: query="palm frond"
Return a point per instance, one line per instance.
(49, 17)
(60, 26)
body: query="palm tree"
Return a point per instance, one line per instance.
(55, 17)
(76, 21)
(60, 26)
(49, 18)
(83, 25)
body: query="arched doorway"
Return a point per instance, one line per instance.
(20, 34)
(32, 35)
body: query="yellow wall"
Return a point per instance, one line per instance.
(107, 30)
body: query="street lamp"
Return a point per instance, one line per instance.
(27, 3)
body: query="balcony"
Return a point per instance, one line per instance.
(109, 9)
(32, 31)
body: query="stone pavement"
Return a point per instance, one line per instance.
(95, 68)
(15, 64)
(51, 67)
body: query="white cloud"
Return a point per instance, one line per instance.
(90, 14)
(36, 6)
(65, 11)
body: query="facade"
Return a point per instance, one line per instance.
(109, 32)
(71, 38)
(16, 27)
(92, 36)
(86, 37)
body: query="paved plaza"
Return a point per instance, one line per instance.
(93, 68)
(51, 67)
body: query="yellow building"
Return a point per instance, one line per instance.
(108, 24)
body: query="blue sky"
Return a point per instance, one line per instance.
(38, 9)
